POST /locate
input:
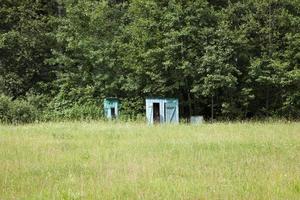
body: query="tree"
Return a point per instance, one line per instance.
(26, 41)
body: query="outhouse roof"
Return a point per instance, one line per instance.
(162, 98)
(111, 98)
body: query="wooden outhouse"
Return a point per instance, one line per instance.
(111, 108)
(162, 110)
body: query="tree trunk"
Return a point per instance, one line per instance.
(190, 105)
(267, 101)
(212, 108)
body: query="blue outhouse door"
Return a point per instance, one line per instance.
(171, 110)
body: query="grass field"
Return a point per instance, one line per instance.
(101, 160)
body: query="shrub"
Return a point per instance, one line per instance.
(16, 111)
(132, 108)
(5, 105)
(79, 112)
(76, 112)
(22, 112)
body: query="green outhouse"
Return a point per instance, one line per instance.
(111, 108)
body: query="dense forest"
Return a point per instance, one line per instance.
(223, 59)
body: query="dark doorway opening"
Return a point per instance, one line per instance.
(156, 113)
(113, 113)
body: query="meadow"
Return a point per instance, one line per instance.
(106, 160)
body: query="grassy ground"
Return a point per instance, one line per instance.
(100, 160)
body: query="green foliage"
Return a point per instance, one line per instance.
(5, 106)
(132, 108)
(22, 112)
(26, 40)
(16, 111)
(222, 59)
(76, 112)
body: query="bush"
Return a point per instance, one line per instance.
(76, 112)
(5, 105)
(132, 108)
(22, 112)
(16, 111)
(80, 112)
(40, 102)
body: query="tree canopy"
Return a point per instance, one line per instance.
(224, 59)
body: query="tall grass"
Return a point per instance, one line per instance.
(110, 160)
